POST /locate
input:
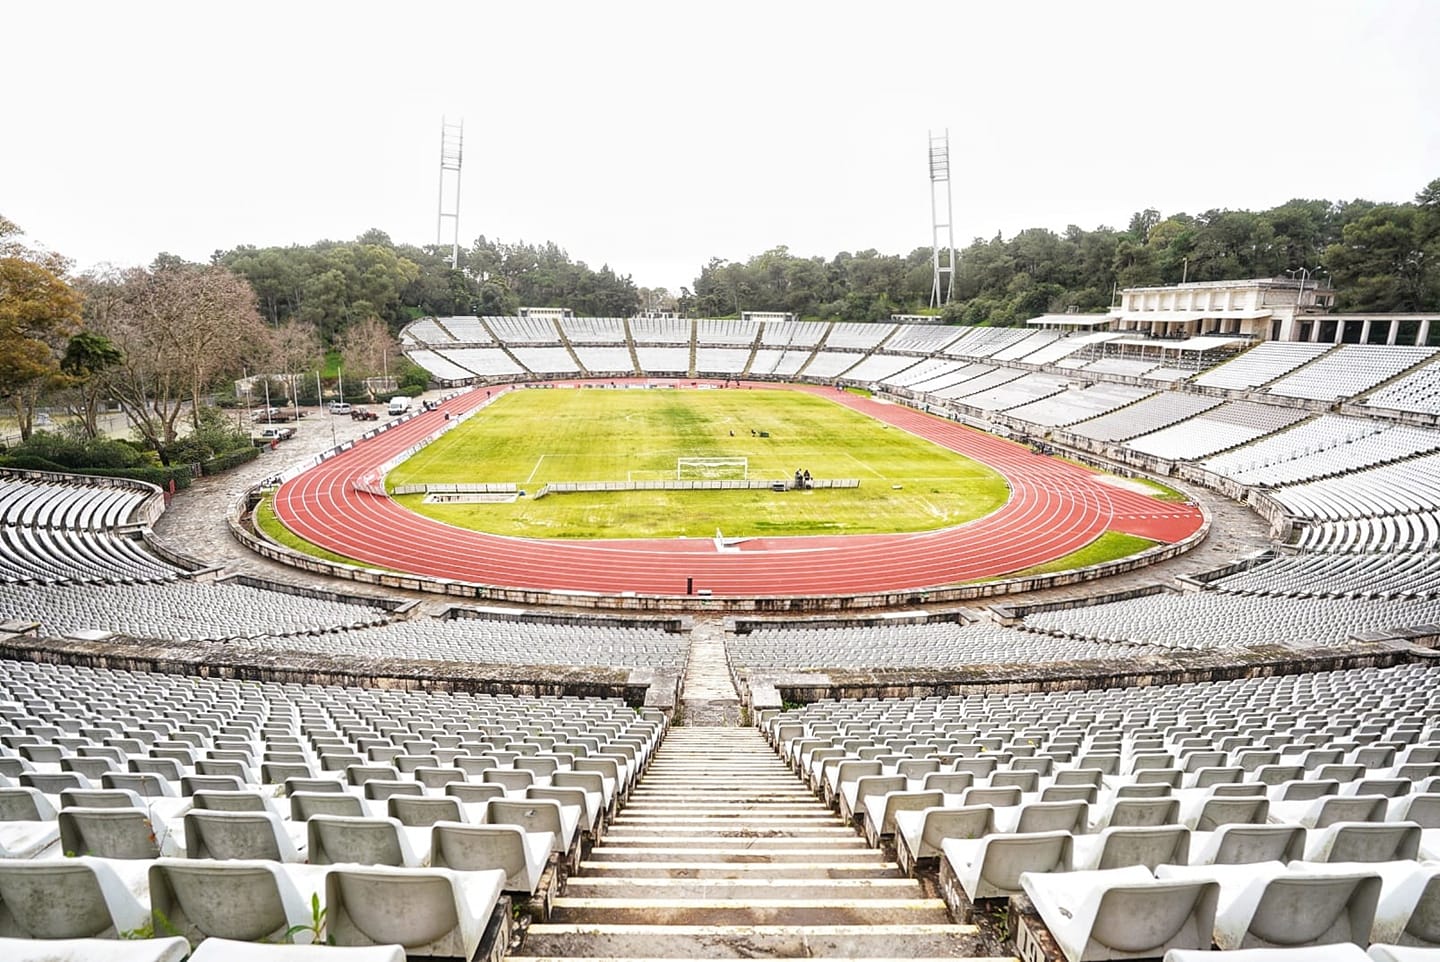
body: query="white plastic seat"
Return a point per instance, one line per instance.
(335, 839)
(421, 812)
(1245, 844)
(27, 823)
(468, 848)
(238, 835)
(172, 949)
(228, 950)
(537, 815)
(1125, 846)
(880, 810)
(990, 867)
(922, 832)
(1265, 905)
(112, 833)
(1409, 914)
(1364, 842)
(245, 900)
(1341, 952)
(1139, 812)
(431, 912)
(1122, 913)
(1402, 953)
(73, 898)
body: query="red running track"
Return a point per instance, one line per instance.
(1055, 508)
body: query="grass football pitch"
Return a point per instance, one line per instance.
(533, 437)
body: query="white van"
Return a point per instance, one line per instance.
(399, 405)
(339, 407)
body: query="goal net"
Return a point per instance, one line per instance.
(712, 469)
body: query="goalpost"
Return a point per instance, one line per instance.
(712, 469)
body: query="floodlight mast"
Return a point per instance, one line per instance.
(452, 138)
(942, 258)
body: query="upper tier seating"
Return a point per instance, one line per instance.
(1419, 391)
(1349, 370)
(1142, 417)
(793, 334)
(1319, 434)
(1211, 620)
(493, 642)
(845, 334)
(1261, 364)
(1215, 430)
(512, 331)
(1340, 576)
(182, 611)
(594, 330)
(1069, 407)
(732, 333)
(64, 532)
(464, 330)
(922, 338)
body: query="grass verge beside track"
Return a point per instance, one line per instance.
(270, 526)
(1110, 546)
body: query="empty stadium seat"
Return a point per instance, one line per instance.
(431, 912)
(1122, 913)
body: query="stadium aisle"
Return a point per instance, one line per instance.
(722, 852)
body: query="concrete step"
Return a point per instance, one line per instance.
(810, 817)
(573, 958)
(723, 911)
(748, 888)
(700, 801)
(717, 869)
(752, 941)
(690, 831)
(645, 850)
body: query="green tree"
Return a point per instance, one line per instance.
(39, 312)
(89, 357)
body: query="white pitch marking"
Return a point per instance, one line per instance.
(535, 470)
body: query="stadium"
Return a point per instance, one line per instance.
(1156, 643)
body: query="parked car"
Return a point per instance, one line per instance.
(339, 407)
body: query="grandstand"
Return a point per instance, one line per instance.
(1243, 738)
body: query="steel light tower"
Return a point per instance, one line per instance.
(452, 137)
(942, 234)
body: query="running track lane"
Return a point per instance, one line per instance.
(1055, 508)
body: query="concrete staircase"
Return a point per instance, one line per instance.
(708, 695)
(723, 853)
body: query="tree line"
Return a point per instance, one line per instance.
(160, 340)
(1380, 257)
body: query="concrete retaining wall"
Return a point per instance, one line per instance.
(213, 660)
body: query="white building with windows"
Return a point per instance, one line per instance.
(1262, 309)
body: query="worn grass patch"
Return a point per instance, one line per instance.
(532, 437)
(1110, 546)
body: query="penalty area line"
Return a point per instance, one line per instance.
(535, 470)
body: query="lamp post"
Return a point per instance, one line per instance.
(1305, 274)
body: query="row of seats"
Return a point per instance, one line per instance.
(1109, 803)
(493, 642)
(1378, 575)
(1227, 426)
(1210, 620)
(220, 808)
(929, 645)
(66, 532)
(179, 611)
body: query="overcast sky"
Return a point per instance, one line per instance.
(653, 136)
